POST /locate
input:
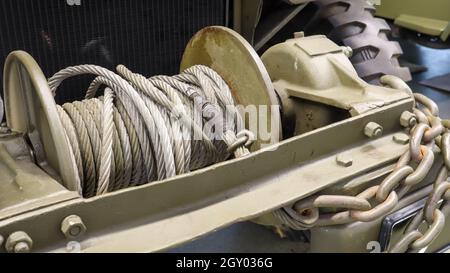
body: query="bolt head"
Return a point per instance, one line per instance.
(348, 51)
(19, 242)
(408, 119)
(22, 247)
(344, 160)
(373, 130)
(72, 227)
(299, 34)
(401, 139)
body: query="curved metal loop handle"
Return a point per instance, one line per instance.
(31, 109)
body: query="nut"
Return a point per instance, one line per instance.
(408, 119)
(373, 130)
(344, 160)
(72, 227)
(19, 242)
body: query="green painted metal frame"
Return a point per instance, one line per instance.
(164, 214)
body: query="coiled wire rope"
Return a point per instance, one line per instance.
(142, 130)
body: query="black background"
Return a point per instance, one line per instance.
(148, 36)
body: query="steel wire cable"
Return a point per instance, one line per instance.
(142, 130)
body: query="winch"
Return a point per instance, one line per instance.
(294, 140)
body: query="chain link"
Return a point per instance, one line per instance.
(428, 135)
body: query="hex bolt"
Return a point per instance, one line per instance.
(19, 242)
(344, 160)
(4, 130)
(408, 119)
(348, 51)
(72, 227)
(21, 247)
(373, 130)
(401, 139)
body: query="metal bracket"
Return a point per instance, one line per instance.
(276, 177)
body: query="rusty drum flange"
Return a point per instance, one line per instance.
(231, 56)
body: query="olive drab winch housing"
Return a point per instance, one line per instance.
(338, 136)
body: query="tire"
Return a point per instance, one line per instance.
(352, 23)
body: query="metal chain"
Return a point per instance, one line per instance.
(428, 134)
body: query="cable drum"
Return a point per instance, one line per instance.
(143, 130)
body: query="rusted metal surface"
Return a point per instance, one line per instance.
(222, 49)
